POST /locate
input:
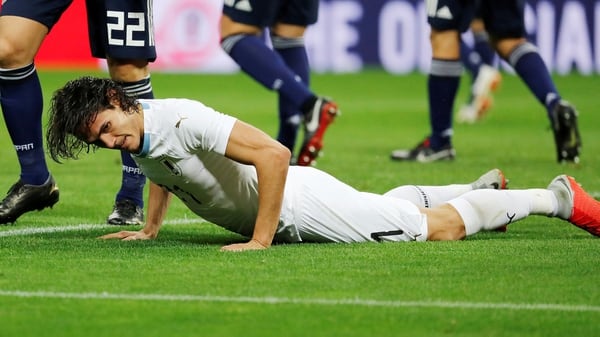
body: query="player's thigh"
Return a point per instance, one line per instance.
(299, 12)
(445, 44)
(328, 210)
(444, 223)
(504, 19)
(121, 29)
(23, 26)
(360, 217)
(43, 11)
(257, 13)
(287, 30)
(450, 14)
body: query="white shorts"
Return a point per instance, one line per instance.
(324, 209)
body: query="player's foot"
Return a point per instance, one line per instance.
(475, 110)
(566, 132)
(575, 205)
(493, 179)
(487, 81)
(22, 198)
(126, 212)
(316, 122)
(423, 153)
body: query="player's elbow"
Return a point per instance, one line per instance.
(280, 155)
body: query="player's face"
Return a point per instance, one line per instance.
(115, 129)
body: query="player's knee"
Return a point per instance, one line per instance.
(447, 234)
(14, 55)
(505, 46)
(288, 31)
(444, 224)
(230, 28)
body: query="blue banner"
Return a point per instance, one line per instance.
(353, 34)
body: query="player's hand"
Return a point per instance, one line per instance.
(239, 247)
(129, 235)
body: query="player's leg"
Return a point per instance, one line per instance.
(481, 41)
(470, 59)
(240, 30)
(290, 46)
(443, 80)
(127, 60)
(433, 196)
(23, 27)
(481, 210)
(480, 53)
(324, 209)
(485, 210)
(505, 22)
(479, 60)
(327, 210)
(240, 38)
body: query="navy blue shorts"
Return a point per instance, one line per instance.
(263, 13)
(121, 29)
(117, 28)
(502, 19)
(43, 11)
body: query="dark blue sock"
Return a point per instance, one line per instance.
(528, 63)
(288, 125)
(470, 59)
(265, 66)
(133, 180)
(483, 49)
(22, 105)
(442, 86)
(293, 53)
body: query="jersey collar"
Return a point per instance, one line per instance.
(146, 145)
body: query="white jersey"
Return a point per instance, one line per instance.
(183, 151)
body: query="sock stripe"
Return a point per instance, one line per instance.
(17, 74)
(521, 50)
(286, 42)
(138, 88)
(446, 68)
(229, 42)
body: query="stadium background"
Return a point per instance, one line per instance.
(350, 36)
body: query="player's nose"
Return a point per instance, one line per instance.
(108, 140)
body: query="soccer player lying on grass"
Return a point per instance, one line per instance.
(237, 177)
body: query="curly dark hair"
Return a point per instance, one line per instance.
(75, 107)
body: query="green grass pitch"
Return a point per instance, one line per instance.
(538, 279)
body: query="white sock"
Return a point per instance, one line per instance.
(490, 209)
(429, 196)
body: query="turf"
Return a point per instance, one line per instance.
(538, 279)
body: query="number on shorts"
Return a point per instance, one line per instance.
(138, 25)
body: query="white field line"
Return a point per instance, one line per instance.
(301, 301)
(80, 227)
(262, 300)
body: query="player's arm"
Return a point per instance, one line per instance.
(159, 200)
(158, 204)
(251, 146)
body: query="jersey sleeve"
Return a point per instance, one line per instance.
(205, 129)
